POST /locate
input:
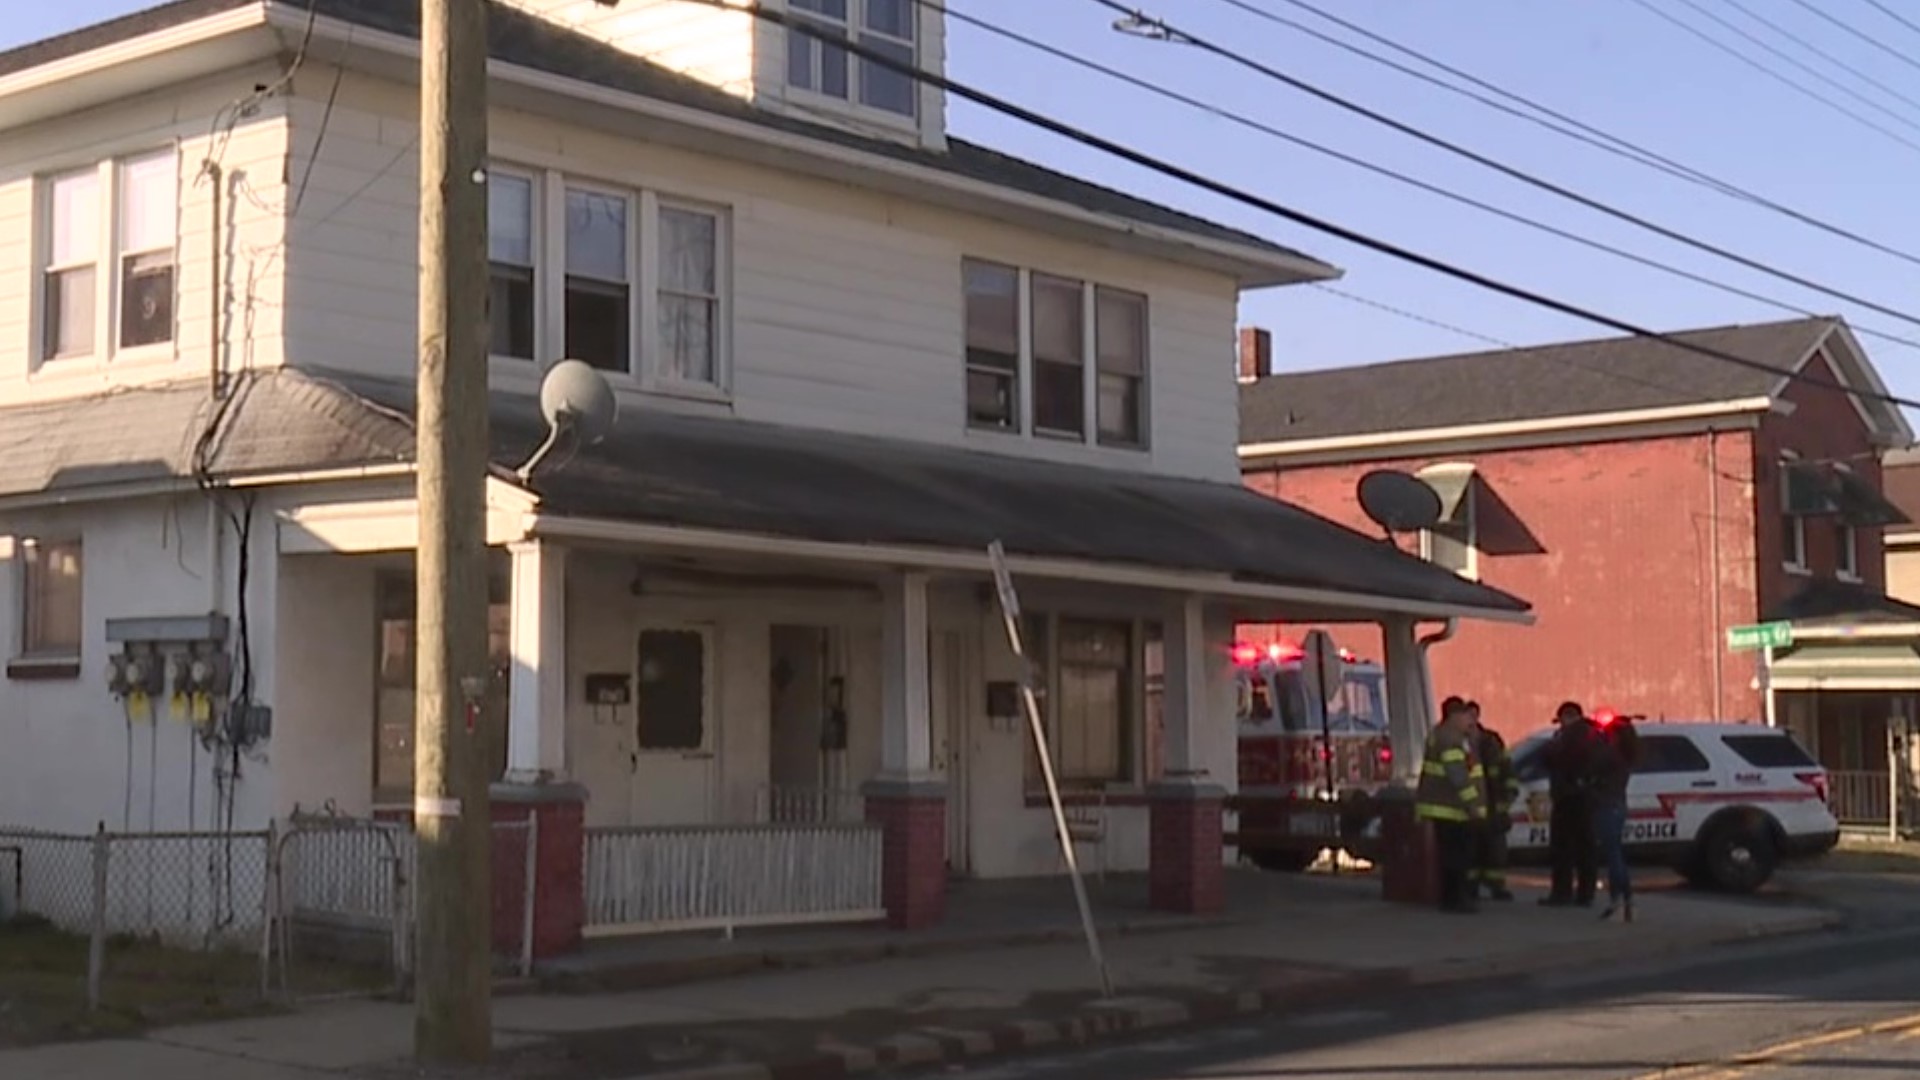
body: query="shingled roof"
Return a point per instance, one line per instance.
(712, 473)
(1575, 378)
(526, 40)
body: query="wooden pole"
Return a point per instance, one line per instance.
(452, 1017)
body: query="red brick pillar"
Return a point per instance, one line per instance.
(912, 816)
(560, 889)
(1187, 872)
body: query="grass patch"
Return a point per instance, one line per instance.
(1874, 857)
(43, 985)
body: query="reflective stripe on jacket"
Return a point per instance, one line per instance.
(1452, 784)
(1503, 787)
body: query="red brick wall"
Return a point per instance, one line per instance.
(1824, 426)
(1615, 545)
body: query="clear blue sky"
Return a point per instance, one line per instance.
(1608, 62)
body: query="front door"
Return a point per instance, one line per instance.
(949, 702)
(673, 746)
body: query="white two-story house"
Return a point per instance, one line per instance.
(850, 352)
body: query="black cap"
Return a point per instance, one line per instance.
(1454, 704)
(1568, 711)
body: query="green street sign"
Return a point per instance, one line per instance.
(1766, 635)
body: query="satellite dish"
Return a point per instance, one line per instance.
(1398, 502)
(577, 401)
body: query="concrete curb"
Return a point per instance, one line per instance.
(1122, 1017)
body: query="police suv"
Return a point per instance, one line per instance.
(1722, 803)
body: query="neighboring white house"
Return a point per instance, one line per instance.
(850, 352)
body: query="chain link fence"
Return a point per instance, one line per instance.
(324, 907)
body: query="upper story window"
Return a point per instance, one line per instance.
(817, 65)
(1846, 547)
(627, 281)
(107, 276)
(1076, 349)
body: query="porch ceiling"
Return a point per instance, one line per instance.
(1850, 664)
(726, 476)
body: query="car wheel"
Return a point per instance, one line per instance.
(1282, 860)
(1739, 858)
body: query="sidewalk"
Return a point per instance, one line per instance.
(1304, 941)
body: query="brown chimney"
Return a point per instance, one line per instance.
(1256, 353)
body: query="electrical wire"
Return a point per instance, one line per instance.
(1412, 316)
(1859, 33)
(1763, 69)
(1559, 122)
(1164, 30)
(1449, 194)
(1882, 8)
(1165, 168)
(1823, 54)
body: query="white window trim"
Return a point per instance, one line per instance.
(1026, 424)
(851, 105)
(644, 353)
(1846, 561)
(108, 173)
(1793, 561)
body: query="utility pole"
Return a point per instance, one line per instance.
(453, 1007)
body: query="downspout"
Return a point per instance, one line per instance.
(1714, 647)
(1444, 634)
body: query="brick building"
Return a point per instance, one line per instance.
(1646, 498)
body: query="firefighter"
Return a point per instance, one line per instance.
(1503, 787)
(1452, 795)
(1572, 758)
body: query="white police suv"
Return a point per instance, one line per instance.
(1722, 803)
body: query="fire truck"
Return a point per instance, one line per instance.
(1307, 769)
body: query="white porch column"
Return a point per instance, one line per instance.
(906, 715)
(1409, 699)
(537, 707)
(1186, 705)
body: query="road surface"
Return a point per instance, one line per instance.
(1836, 1006)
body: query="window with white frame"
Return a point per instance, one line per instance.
(993, 345)
(629, 281)
(689, 296)
(1846, 546)
(512, 295)
(1071, 348)
(50, 599)
(1093, 696)
(108, 274)
(818, 65)
(599, 303)
(1793, 541)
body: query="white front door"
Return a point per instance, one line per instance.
(673, 744)
(949, 700)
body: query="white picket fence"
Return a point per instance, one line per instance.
(726, 877)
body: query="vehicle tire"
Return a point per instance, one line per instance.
(1738, 857)
(1282, 860)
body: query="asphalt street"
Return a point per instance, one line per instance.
(1839, 1005)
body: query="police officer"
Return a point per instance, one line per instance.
(1452, 795)
(1572, 773)
(1503, 787)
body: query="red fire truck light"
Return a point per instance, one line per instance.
(1386, 755)
(1605, 717)
(1280, 652)
(1244, 654)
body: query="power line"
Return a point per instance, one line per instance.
(1160, 28)
(1361, 163)
(1820, 52)
(1298, 217)
(1861, 34)
(1411, 316)
(1777, 76)
(1585, 132)
(1883, 9)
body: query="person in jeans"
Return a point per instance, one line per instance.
(1618, 753)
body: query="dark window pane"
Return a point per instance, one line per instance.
(70, 298)
(598, 330)
(992, 397)
(672, 694)
(883, 87)
(1059, 403)
(510, 311)
(1669, 754)
(146, 300)
(1770, 751)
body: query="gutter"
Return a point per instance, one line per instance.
(1508, 428)
(594, 530)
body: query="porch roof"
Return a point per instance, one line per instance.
(662, 469)
(1828, 603)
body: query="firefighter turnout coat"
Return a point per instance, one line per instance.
(1453, 786)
